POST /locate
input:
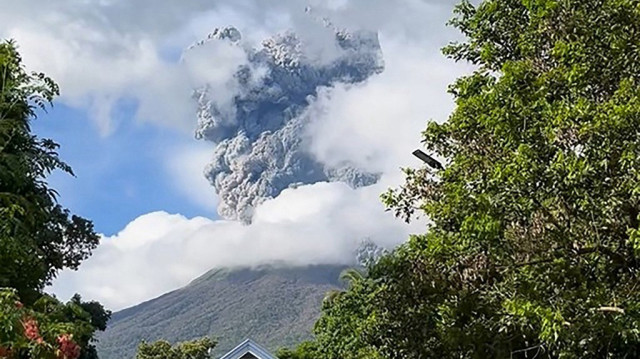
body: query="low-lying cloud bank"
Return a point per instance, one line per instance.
(322, 223)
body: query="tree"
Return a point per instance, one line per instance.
(346, 317)
(38, 237)
(305, 350)
(533, 242)
(87, 318)
(161, 349)
(48, 329)
(350, 277)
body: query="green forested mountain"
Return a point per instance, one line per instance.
(274, 306)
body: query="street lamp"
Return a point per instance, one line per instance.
(428, 159)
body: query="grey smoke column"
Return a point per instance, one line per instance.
(259, 137)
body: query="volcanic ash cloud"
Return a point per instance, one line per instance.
(258, 120)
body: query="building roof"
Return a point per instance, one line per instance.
(248, 347)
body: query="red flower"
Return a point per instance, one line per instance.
(18, 304)
(68, 348)
(31, 331)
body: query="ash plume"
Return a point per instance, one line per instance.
(260, 132)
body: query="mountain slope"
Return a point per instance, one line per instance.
(274, 306)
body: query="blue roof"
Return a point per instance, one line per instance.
(248, 346)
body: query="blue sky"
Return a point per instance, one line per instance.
(119, 176)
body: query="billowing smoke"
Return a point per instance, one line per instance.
(259, 131)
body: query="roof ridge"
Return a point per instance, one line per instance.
(248, 346)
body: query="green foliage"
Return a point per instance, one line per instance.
(305, 350)
(532, 247)
(88, 317)
(161, 349)
(350, 277)
(38, 237)
(339, 332)
(39, 331)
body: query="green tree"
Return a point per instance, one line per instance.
(305, 350)
(532, 247)
(87, 318)
(349, 277)
(346, 317)
(38, 237)
(49, 328)
(161, 349)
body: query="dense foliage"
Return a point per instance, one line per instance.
(304, 350)
(194, 349)
(49, 328)
(533, 246)
(38, 237)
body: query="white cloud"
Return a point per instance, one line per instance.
(377, 125)
(157, 252)
(186, 166)
(101, 51)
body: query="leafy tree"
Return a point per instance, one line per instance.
(305, 350)
(346, 317)
(88, 317)
(349, 276)
(533, 244)
(38, 237)
(161, 349)
(49, 329)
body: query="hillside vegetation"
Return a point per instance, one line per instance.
(274, 306)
